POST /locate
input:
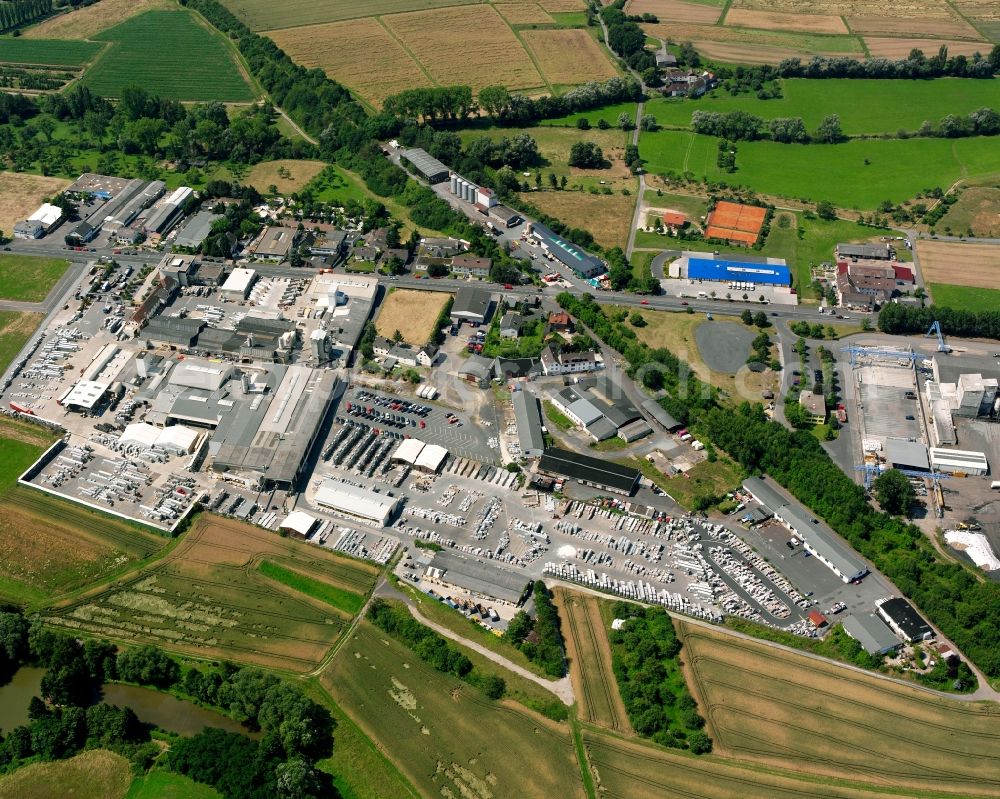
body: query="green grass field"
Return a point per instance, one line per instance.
(965, 297)
(191, 62)
(857, 174)
(47, 52)
(159, 784)
(864, 106)
(267, 15)
(608, 113)
(15, 329)
(27, 278)
(347, 601)
(97, 774)
(335, 185)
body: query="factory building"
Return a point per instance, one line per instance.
(432, 170)
(568, 254)
(816, 536)
(903, 619)
(238, 284)
(957, 461)
(901, 453)
(471, 305)
(717, 270)
(589, 471)
(355, 502)
(528, 418)
(39, 223)
(195, 230)
(872, 633)
(165, 215)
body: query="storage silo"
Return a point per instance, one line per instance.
(454, 183)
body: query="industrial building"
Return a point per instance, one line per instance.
(471, 305)
(39, 223)
(528, 419)
(275, 243)
(238, 284)
(660, 416)
(299, 524)
(568, 254)
(355, 502)
(84, 395)
(481, 579)
(428, 458)
(602, 409)
(345, 302)
(165, 215)
(133, 199)
(721, 271)
(816, 536)
(903, 619)
(505, 216)
(589, 471)
(873, 252)
(958, 461)
(955, 394)
(432, 170)
(872, 633)
(195, 230)
(901, 453)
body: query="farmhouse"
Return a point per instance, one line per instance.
(589, 471)
(772, 273)
(816, 536)
(903, 619)
(356, 502)
(568, 254)
(471, 305)
(432, 170)
(39, 223)
(528, 418)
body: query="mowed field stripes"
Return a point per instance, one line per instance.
(798, 712)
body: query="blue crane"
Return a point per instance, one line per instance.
(872, 471)
(936, 330)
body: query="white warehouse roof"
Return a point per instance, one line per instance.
(431, 457)
(178, 196)
(177, 438)
(959, 460)
(239, 280)
(47, 214)
(140, 433)
(408, 450)
(195, 373)
(298, 522)
(351, 500)
(85, 394)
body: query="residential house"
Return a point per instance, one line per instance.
(570, 362)
(511, 324)
(560, 322)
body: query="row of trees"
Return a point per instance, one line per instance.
(541, 638)
(453, 103)
(744, 126)
(903, 319)
(626, 38)
(14, 13)
(915, 65)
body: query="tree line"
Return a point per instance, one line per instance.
(541, 638)
(901, 319)
(14, 13)
(915, 66)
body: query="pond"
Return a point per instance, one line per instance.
(152, 707)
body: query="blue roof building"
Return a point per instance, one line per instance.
(738, 271)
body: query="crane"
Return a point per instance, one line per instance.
(936, 329)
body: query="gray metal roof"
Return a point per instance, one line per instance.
(592, 470)
(602, 428)
(178, 331)
(528, 417)
(871, 632)
(470, 302)
(863, 250)
(654, 409)
(910, 454)
(196, 230)
(428, 165)
(490, 580)
(569, 254)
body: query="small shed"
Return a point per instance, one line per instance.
(817, 619)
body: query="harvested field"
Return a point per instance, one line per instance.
(849, 8)
(413, 313)
(207, 599)
(677, 10)
(90, 20)
(732, 53)
(523, 13)
(560, 6)
(589, 655)
(640, 770)
(800, 713)
(490, 53)
(806, 23)
(567, 56)
(21, 194)
(446, 737)
(97, 774)
(607, 217)
(977, 209)
(953, 27)
(961, 264)
(361, 54)
(268, 15)
(900, 48)
(756, 42)
(287, 175)
(985, 13)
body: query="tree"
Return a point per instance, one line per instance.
(148, 665)
(586, 155)
(826, 210)
(830, 130)
(397, 336)
(760, 319)
(746, 317)
(553, 180)
(649, 123)
(637, 320)
(625, 121)
(893, 491)
(583, 123)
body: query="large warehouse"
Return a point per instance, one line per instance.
(589, 471)
(903, 619)
(816, 536)
(714, 269)
(872, 633)
(421, 456)
(471, 305)
(356, 502)
(427, 165)
(568, 254)
(958, 461)
(528, 418)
